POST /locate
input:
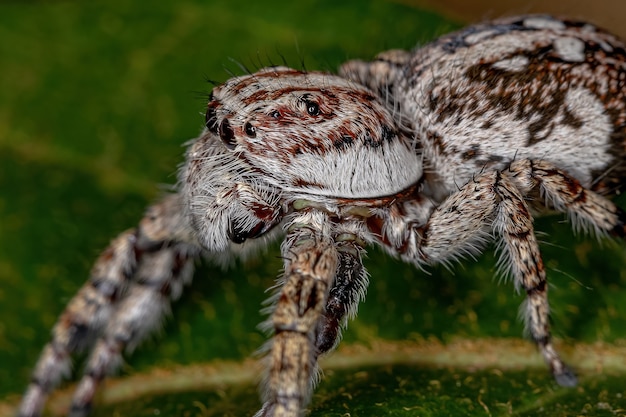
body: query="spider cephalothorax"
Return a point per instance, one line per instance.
(276, 137)
(429, 154)
(316, 134)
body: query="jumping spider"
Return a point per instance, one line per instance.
(429, 154)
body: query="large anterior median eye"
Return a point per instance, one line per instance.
(227, 135)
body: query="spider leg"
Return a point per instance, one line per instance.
(461, 225)
(311, 261)
(82, 318)
(379, 74)
(348, 290)
(152, 258)
(159, 279)
(586, 209)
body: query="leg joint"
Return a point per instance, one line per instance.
(537, 289)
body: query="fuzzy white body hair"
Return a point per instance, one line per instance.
(495, 100)
(367, 176)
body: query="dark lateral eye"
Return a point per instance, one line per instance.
(211, 120)
(312, 108)
(275, 114)
(250, 130)
(227, 135)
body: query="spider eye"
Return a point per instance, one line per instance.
(312, 108)
(275, 114)
(227, 135)
(211, 120)
(250, 130)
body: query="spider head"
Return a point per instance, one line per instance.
(313, 135)
(280, 135)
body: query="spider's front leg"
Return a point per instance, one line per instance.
(349, 288)
(306, 320)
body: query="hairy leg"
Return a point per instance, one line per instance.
(520, 254)
(348, 290)
(161, 231)
(380, 74)
(159, 278)
(311, 261)
(461, 225)
(83, 317)
(587, 209)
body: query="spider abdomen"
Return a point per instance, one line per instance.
(531, 87)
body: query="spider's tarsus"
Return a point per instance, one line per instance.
(566, 378)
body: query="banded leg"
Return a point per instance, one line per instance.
(381, 74)
(82, 319)
(348, 290)
(520, 252)
(159, 278)
(311, 261)
(586, 209)
(88, 313)
(492, 202)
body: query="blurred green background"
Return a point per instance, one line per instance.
(96, 100)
